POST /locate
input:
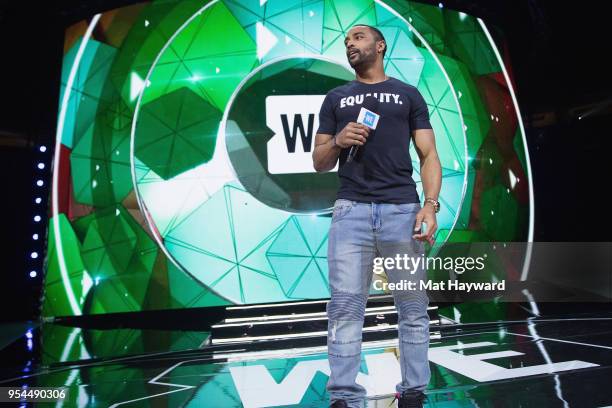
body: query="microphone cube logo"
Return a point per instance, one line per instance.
(368, 118)
(294, 119)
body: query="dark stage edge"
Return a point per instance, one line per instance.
(555, 359)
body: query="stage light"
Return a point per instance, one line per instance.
(35, 237)
(30, 345)
(43, 148)
(33, 274)
(29, 334)
(440, 5)
(34, 255)
(37, 218)
(38, 200)
(40, 183)
(41, 165)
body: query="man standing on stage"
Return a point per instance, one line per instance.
(377, 213)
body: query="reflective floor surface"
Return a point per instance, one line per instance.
(554, 360)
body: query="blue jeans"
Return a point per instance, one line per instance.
(360, 232)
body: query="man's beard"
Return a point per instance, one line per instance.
(360, 60)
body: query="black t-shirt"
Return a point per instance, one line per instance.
(381, 172)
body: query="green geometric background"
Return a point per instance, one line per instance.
(151, 214)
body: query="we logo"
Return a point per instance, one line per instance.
(294, 119)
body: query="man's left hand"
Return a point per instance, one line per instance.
(426, 215)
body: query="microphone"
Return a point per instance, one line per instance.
(368, 117)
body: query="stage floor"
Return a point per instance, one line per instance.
(535, 362)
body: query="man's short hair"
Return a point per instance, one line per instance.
(378, 36)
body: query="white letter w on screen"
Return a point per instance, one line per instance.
(294, 119)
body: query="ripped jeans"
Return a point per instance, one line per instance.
(360, 232)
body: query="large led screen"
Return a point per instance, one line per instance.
(182, 173)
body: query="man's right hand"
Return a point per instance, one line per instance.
(353, 134)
